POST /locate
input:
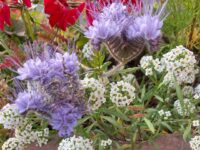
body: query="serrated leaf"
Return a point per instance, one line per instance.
(150, 125)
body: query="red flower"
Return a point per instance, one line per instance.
(60, 14)
(4, 14)
(25, 2)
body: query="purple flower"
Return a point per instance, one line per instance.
(29, 101)
(128, 22)
(147, 27)
(53, 89)
(149, 23)
(110, 22)
(71, 63)
(64, 119)
(32, 69)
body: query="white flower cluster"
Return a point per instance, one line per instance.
(27, 135)
(105, 143)
(195, 123)
(13, 144)
(150, 65)
(10, 117)
(179, 64)
(75, 143)
(96, 93)
(187, 109)
(188, 91)
(165, 114)
(87, 51)
(128, 78)
(197, 92)
(195, 143)
(122, 93)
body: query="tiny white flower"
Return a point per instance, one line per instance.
(195, 123)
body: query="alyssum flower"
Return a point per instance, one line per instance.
(53, 89)
(130, 21)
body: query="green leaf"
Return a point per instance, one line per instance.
(116, 112)
(187, 132)
(150, 125)
(82, 120)
(159, 98)
(112, 121)
(178, 91)
(167, 126)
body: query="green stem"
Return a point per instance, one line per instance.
(28, 25)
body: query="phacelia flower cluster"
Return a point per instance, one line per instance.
(138, 21)
(95, 91)
(184, 108)
(180, 64)
(53, 88)
(122, 93)
(195, 143)
(75, 143)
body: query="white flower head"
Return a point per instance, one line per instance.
(195, 123)
(10, 117)
(96, 93)
(195, 143)
(75, 143)
(13, 144)
(187, 108)
(122, 93)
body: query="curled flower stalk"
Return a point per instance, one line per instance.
(126, 27)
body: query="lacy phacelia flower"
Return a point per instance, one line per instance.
(148, 23)
(96, 92)
(184, 108)
(75, 143)
(13, 144)
(4, 14)
(64, 117)
(10, 117)
(195, 143)
(122, 93)
(180, 63)
(53, 89)
(127, 20)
